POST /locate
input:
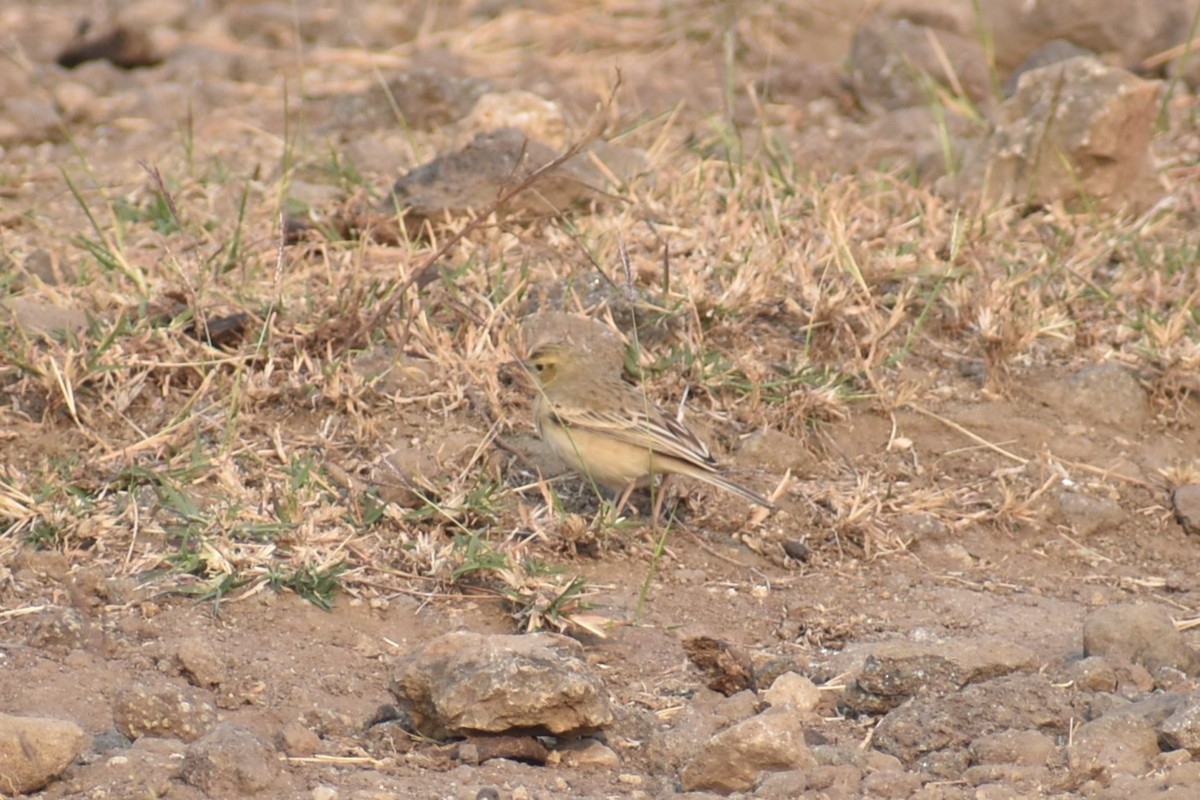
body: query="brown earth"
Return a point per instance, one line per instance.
(923, 495)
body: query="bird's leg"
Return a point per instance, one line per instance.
(623, 499)
(659, 497)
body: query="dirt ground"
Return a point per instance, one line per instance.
(922, 386)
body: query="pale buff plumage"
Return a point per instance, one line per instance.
(609, 431)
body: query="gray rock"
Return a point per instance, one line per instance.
(471, 178)
(474, 683)
(1181, 730)
(1142, 634)
(1130, 30)
(734, 759)
(163, 709)
(35, 751)
(1076, 132)
(1051, 52)
(936, 730)
(892, 61)
(230, 761)
(895, 671)
(1086, 514)
(1185, 501)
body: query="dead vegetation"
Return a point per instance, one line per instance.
(239, 411)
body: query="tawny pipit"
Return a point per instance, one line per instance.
(609, 431)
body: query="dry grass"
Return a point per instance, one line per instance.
(779, 298)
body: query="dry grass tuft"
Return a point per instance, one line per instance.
(353, 433)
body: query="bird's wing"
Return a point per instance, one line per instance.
(648, 428)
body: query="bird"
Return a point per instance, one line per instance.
(610, 432)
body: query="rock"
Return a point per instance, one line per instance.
(427, 97)
(589, 754)
(462, 683)
(936, 730)
(200, 663)
(164, 710)
(1128, 29)
(297, 740)
(794, 691)
(1181, 730)
(1105, 394)
(1142, 634)
(891, 785)
(735, 708)
(535, 117)
(734, 759)
(61, 629)
(1115, 743)
(1185, 501)
(1023, 748)
(479, 749)
(1051, 52)
(895, 671)
(1076, 132)
(470, 179)
(29, 119)
(892, 59)
(1093, 674)
(1086, 514)
(35, 751)
(835, 780)
(230, 761)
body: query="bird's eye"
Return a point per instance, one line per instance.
(539, 367)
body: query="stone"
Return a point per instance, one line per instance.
(60, 629)
(470, 179)
(163, 709)
(462, 683)
(1023, 748)
(735, 759)
(427, 97)
(1181, 730)
(298, 740)
(1113, 744)
(1093, 674)
(535, 117)
(894, 60)
(891, 785)
(1185, 501)
(894, 671)
(1086, 514)
(1129, 30)
(1051, 52)
(35, 751)
(589, 754)
(1076, 132)
(793, 690)
(230, 761)
(935, 730)
(1143, 634)
(200, 663)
